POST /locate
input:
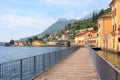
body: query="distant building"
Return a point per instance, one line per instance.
(65, 36)
(51, 43)
(36, 43)
(86, 29)
(61, 42)
(18, 43)
(86, 38)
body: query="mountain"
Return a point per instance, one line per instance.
(57, 26)
(87, 16)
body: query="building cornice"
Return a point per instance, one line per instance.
(112, 2)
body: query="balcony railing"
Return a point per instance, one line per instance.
(104, 68)
(28, 68)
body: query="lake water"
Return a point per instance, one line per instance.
(14, 53)
(111, 57)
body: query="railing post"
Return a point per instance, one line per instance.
(49, 60)
(55, 57)
(34, 65)
(20, 69)
(43, 61)
(0, 72)
(116, 75)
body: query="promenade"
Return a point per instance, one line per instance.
(78, 66)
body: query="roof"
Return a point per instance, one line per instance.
(111, 2)
(106, 16)
(81, 33)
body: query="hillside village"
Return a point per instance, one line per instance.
(101, 30)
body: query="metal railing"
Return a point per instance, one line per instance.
(104, 68)
(28, 68)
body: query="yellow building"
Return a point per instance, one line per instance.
(115, 5)
(86, 38)
(36, 43)
(104, 30)
(17, 43)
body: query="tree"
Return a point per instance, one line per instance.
(12, 42)
(93, 17)
(68, 44)
(46, 35)
(30, 41)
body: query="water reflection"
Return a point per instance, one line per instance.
(111, 57)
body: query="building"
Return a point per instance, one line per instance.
(36, 43)
(115, 5)
(19, 43)
(104, 30)
(86, 38)
(65, 36)
(52, 43)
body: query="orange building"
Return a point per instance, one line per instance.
(86, 38)
(104, 30)
(115, 5)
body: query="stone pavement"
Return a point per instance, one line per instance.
(78, 66)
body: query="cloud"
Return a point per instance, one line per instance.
(85, 12)
(15, 26)
(89, 1)
(14, 20)
(76, 14)
(62, 3)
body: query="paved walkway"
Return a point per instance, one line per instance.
(78, 66)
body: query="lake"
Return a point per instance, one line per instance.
(14, 53)
(113, 58)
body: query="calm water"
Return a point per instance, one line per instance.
(14, 53)
(111, 57)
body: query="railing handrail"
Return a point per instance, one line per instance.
(33, 56)
(28, 68)
(107, 62)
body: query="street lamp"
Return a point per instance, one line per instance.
(90, 36)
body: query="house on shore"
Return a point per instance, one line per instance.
(109, 28)
(88, 37)
(115, 6)
(105, 36)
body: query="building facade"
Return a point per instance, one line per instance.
(104, 30)
(86, 38)
(115, 5)
(109, 28)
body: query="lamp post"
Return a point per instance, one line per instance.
(90, 36)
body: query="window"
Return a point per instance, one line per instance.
(119, 39)
(115, 12)
(99, 25)
(113, 43)
(112, 13)
(113, 28)
(97, 35)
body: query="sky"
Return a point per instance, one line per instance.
(24, 18)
